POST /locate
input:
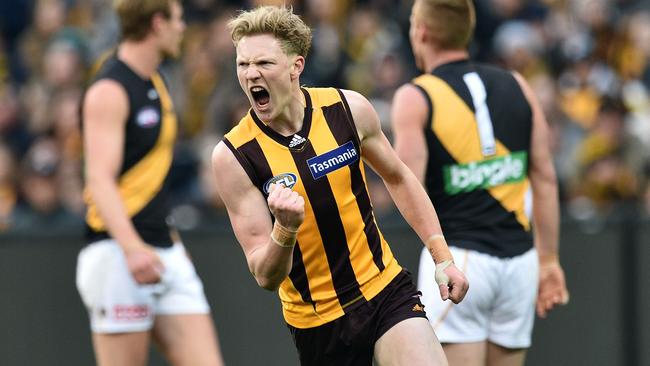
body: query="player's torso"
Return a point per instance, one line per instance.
(149, 137)
(478, 138)
(340, 257)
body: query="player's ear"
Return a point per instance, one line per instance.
(421, 31)
(297, 66)
(156, 21)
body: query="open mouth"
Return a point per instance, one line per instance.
(260, 96)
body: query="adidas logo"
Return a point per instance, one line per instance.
(296, 140)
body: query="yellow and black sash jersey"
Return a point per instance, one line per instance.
(341, 258)
(478, 139)
(150, 133)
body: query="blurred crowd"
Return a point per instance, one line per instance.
(587, 60)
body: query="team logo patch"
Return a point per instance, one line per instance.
(152, 94)
(330, 161)
(148, 117)
(286, 179)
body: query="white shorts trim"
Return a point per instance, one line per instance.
(500, 303)
(117, 304)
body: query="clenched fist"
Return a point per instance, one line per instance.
(287, 206)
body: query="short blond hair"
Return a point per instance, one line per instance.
(136, 15)
(294, 35)
(451, 22)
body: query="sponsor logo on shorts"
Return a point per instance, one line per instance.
(147, 117)
(418, 308)
(485, 174)
(130, 312)
(330, 161)
(286, 179)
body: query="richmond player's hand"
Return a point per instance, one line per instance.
(287, 206)
(552, 288)
(451, 281)
(144, 264)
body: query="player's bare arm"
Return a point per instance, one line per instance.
(268, 247)
(407, 192)
(552, 285)
(408, 118)
(104, 114)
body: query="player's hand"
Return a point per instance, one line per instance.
(552, 289)
(451, 281)
(287, 206)
(144, 264)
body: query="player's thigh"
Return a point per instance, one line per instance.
(466, 354)
(115, 302)
(513, 313)
(121, 349)
(501, 356)
(468, 321)
(409, 342)
(187, 339)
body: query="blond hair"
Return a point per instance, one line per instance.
(294, 35)
(451, 22)
(135, 16)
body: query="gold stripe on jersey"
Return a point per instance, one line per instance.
(322, 137)
(459, 136)
(140, 184)
(340, 180)
(280, 161)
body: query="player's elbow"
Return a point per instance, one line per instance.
(268, 283)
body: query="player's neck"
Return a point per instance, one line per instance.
(142, 57)
(290, 120)
(441, 57)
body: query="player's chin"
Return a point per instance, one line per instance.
(173, 53)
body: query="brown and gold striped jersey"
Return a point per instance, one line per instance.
(341, 258)
(478, 139)
(149, 137)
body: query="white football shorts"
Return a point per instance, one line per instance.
(499, 306)
(117, 304)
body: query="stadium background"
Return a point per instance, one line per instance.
(588, 61)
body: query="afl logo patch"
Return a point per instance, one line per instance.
(286, 179)
(148, 117)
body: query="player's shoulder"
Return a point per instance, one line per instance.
(105, 92)
(411, 98)
(323, 96)
(494, 72)
(244, 131)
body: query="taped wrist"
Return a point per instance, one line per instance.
(548, 260)
(441, 276)
(283, 236)
(437, 246)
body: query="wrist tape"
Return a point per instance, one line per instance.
(437, 246)
(441, 276)
(549, 260)
(282, 236)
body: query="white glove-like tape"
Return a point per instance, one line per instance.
(441, 276)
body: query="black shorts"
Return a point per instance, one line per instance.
(350, 339)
